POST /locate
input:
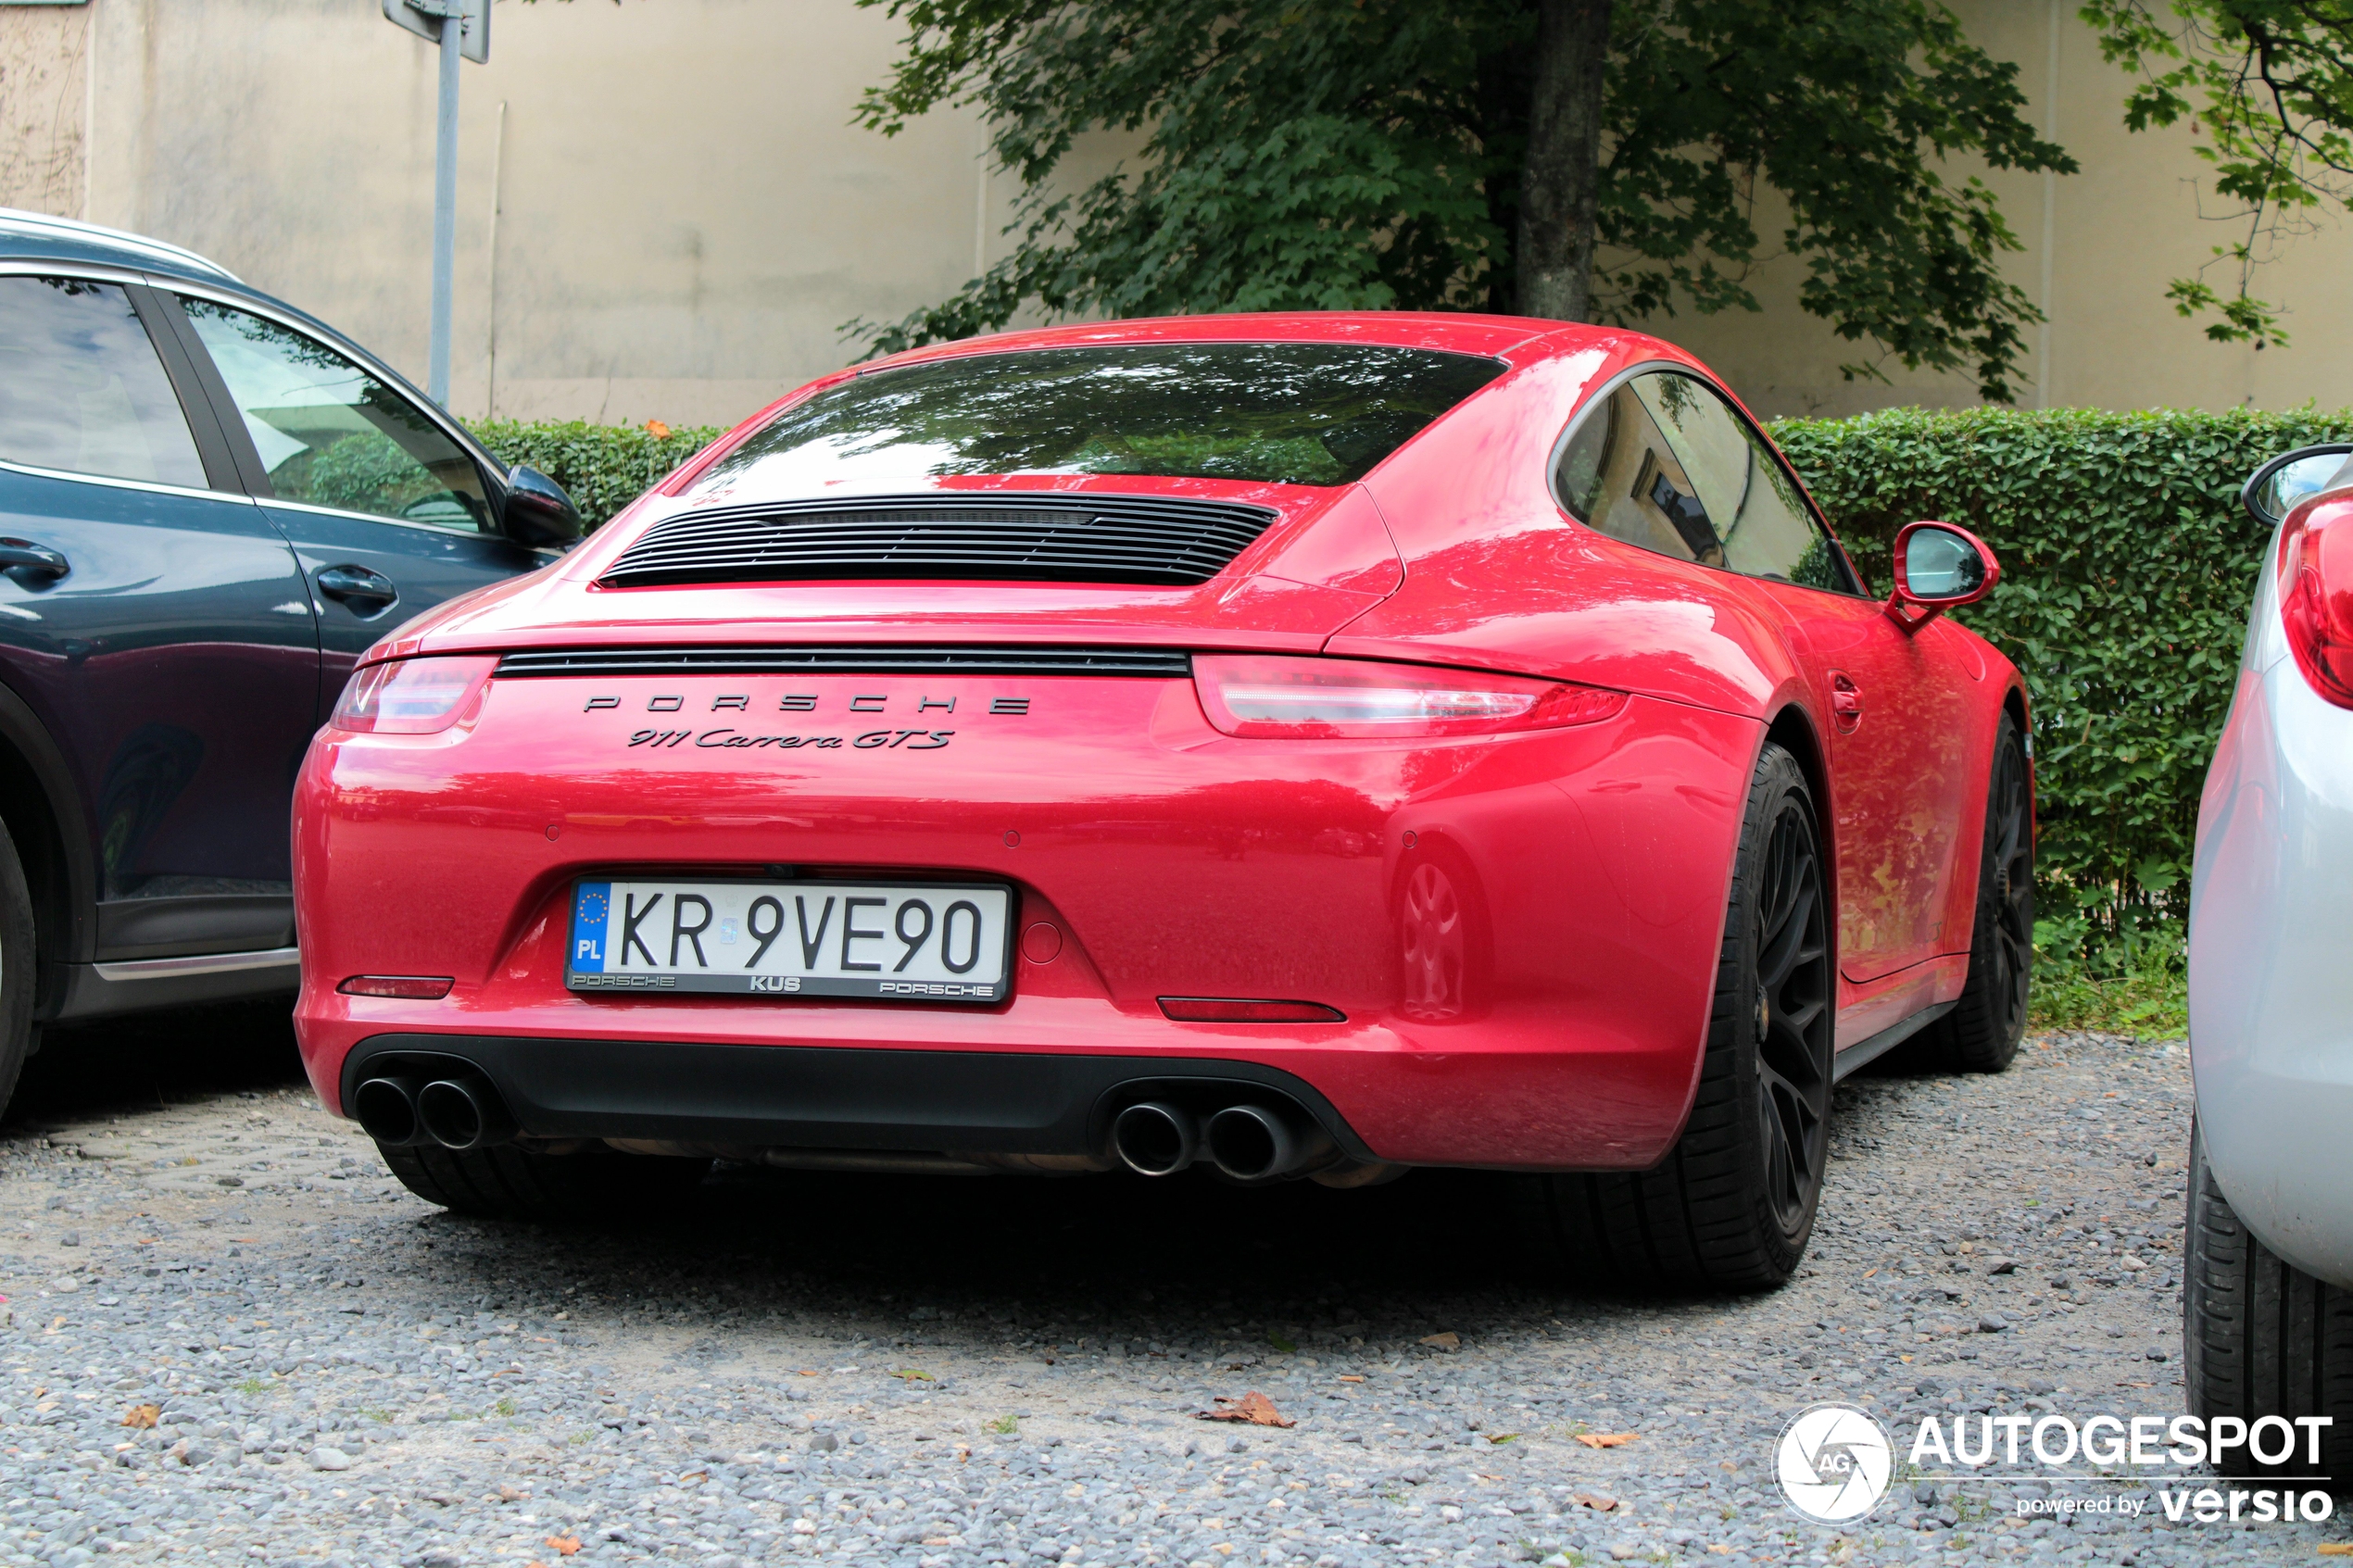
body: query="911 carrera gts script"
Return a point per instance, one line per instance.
(892, 740)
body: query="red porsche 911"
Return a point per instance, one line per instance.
(1301, 747)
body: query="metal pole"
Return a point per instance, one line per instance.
(445, 210)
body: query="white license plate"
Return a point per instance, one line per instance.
(929, 941)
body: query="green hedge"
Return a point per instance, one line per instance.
(2127, 569)
(603, 467)
(2127, 565)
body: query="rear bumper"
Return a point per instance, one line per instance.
(2271, 1011)
(1520, 934)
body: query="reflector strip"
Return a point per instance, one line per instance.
(1238, 1010)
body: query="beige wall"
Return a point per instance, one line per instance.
(44, 100)
(685, 215)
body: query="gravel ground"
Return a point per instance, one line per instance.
(974, 1371)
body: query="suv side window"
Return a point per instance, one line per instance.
(1759, 514)
(1618, 476)
(329, 433)
(81, 389)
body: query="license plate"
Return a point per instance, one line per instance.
(949, 942)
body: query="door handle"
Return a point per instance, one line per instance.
(23, 555)
(1847, 701)
(357, 585)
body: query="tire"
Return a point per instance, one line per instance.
(2261, 1337)
(18, 968)
(508, 1182)
(1733, 1205)
(1982, 1032)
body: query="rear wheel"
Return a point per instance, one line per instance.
(2261, 1337)
(1733, 1205)
(1982, 1032)
(508, 1182)
(16, 968)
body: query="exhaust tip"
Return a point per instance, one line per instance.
(1154, 1139)
(387, 1111)
(463, 1113)
(1250, 1143)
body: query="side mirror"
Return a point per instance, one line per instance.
(1937, 568)
(2273, 491)
(538, 512)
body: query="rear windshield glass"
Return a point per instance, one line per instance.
(1295, 413)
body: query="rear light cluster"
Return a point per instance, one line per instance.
(413, 697)
(1266, 695)
(2316, 596)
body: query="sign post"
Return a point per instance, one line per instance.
(469, 37)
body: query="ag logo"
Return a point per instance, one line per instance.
(1834, 1462)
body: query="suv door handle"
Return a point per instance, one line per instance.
(358, 584)
(23, 555)
(1847, 701)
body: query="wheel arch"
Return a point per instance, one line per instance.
(1793, 731)
(41, 809)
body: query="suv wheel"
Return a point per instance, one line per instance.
(2261, 1337)
(18, 969)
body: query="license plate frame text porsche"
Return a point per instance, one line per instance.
(893, 941)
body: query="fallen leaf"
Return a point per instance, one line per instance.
(1869, 1272)
(1253, 1407)
(1350, 1377)
(808, 1372)
(1606, 1439)
(656, 429)
(1599, 1505)
(1449, 1341)
(143, 1416)
(912, 1376)
(562, 1546)
(1502, 1437)
(2336, 1548)
(1288, 1347)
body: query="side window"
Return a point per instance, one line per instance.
(1758, 513)
(333, 436)
(81, 389)
(1618, 476)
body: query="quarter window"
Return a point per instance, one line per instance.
(329, 433)
(1721, 488)
(81, 389)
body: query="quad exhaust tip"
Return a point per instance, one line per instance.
(1154, 1139)
(403, 1110)
(1247, 1143)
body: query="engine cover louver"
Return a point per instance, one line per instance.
(1029, 538)
(850, 660)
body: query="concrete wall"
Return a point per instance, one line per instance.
(685, 215)
(44, 101)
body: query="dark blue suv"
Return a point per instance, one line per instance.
(210, 505)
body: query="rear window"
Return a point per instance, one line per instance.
(1290, 413)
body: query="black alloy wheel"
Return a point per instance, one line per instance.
(1982, 1032)
(1731, 1207)
(1793, 1018)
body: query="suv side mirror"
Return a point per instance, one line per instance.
(1939, 567)
(538, 512)
(2273, 491)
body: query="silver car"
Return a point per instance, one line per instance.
(2268, 1298)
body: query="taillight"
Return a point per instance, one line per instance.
(412, 696)
(1273, 695)
(2316, 596)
